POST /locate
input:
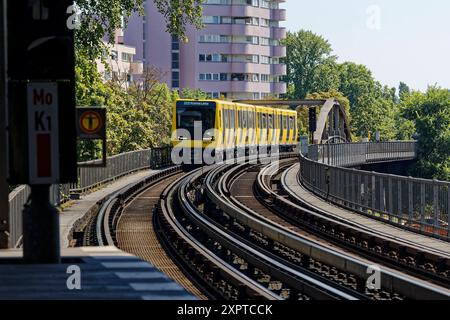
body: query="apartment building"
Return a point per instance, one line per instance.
(237, 55)
(121, 65)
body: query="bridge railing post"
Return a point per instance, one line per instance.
(448, 212)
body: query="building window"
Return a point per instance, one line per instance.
(114, 55)
(175, 43)
(127, 57)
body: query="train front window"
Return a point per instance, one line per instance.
(188, 115)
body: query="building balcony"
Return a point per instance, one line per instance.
(279, 69)
(249, 30)
(278, 14)
(278, 33)
(236, 67)
(278, 88)
(249, 11)
(136, 68)
(275, 88)
(278, 51)
(248, 86)
(244, 48)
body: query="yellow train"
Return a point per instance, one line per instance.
(225, 129)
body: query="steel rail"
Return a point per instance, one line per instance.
(310, 217)
(285, 237)
(256, 289)
(293, 278)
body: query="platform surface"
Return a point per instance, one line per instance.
(104, 273)
(81, 207)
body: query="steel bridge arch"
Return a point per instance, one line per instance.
(333, 125)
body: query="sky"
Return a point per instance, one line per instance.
(399, 40)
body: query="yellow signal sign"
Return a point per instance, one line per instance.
(91, 122)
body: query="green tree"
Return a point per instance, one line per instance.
(193, 94)
(356, 83)
(372, 106)
(311, 67)
(431, 114)
(137, 118)
(403, 90)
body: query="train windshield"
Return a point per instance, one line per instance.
(190, 112)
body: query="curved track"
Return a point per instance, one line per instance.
(136, 234)
(224, 232)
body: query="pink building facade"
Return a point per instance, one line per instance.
(237, 55)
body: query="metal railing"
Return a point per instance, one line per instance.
(354, 154)
(17, 201)
(117, 166)
(88, 179)
(420, 205)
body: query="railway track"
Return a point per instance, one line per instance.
(323, 260)
(217, 250)
(418, 261)
(220, 244)
(136, 234)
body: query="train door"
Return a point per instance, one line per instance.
(285, 129)
(245, 128)
(270, 128)
(225, 127)
(240, 127)
(280, 129)
(264, 128)
(292, 130)
(233, 128)
(252, 125)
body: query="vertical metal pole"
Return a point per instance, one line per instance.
(41, 228)
(410, 200)
(436, 207)
(448, 212)
(422, 205)
(4, 189)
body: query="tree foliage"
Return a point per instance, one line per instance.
(430, 112)
(137, 118)
(310, 64)
(313, 70)
(188, 93)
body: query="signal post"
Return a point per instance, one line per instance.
(4, 189)
(42, 119)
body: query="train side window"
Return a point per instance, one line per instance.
(288, 128)
(225, 118)
(245, 120)
(264, 121)
(252, 119)
(292, 126)
(270, 122)
(233, 119)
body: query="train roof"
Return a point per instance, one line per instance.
(265, 108)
